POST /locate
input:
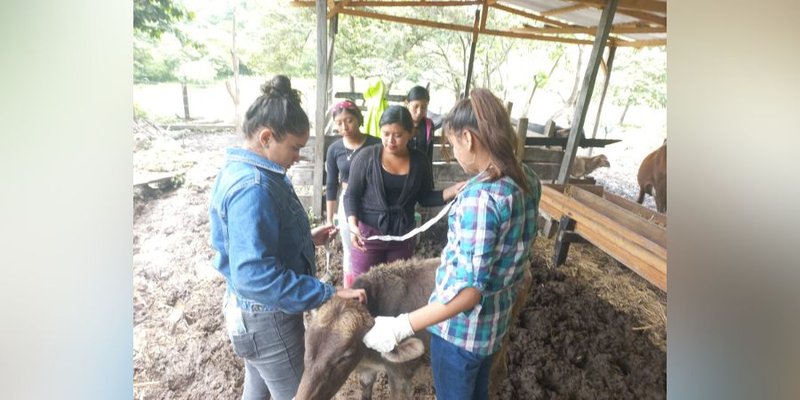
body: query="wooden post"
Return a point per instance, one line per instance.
(332, 29)
(522, 133)
(565, 237)
(185, 92)
(322, 91)
(472, 52)
(603, 28)
(549, 128)
(561, 247)
(609, 63)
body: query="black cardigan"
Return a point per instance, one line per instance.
(366, 198)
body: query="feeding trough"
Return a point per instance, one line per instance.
(634, 235)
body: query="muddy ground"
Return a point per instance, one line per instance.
(591, 329)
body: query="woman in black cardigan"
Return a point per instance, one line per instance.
(386, 182)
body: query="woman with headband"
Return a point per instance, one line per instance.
(347, 119)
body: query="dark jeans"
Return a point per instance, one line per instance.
(272, 346)
(378, 251)
(457, 373)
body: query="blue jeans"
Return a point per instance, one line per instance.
(272, 346)
(459, 374)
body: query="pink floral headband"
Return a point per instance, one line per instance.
(344, 105)
(347, 105)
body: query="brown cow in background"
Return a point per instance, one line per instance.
(653, 177)
(583, 166)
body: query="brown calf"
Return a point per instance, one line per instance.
(334, 346)
(333, 339)
(585, 165)
(653, 177)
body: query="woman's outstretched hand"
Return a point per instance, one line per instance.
(323, 234)
(356, 238)
(358, 294)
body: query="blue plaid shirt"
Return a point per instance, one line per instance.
(491, 229)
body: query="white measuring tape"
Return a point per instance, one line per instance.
(415, 231)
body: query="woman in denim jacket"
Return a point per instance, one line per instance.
(265, 247)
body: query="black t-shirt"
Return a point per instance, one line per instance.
(392, 186)
(337, 164)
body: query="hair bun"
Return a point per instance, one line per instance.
(280, 86)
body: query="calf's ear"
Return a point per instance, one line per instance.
(406, 350)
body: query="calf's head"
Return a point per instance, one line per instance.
(602, 161)
(334, 347)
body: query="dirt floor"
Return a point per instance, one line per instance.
(591, 329)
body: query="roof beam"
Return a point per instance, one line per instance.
(404, 20)
(520, 35)
(402, 3)
(459, 28)
(621, 30)
(484, 14)
(642, 43)
(637, 5)
(645, 16)
(469, 29)
(564, 10)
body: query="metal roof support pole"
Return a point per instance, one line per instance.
(472, 53)
(603, 28)
(321, 105)
(609, 63)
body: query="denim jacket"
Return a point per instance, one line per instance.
(262, 237)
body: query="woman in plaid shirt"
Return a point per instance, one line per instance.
(491, 229)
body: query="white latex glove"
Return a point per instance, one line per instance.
(388, 332)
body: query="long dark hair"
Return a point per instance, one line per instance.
(484, 115)
(418, 93)
(397, 115)
(278, 108)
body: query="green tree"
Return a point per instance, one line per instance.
(156, 17)
(640, 78)
(285, 43)
(368, 47)
(541, 78)
(154, 60)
